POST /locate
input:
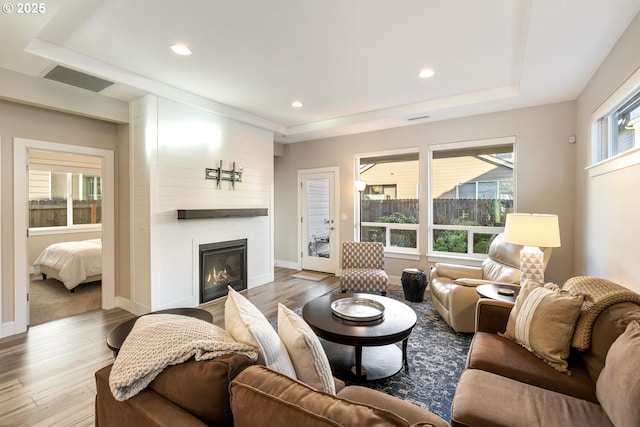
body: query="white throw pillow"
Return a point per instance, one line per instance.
(247, 325)
(306, 353)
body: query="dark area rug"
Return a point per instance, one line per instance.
(437, 356)
(50, 300)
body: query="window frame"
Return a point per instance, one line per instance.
(70, 227)
(602, 158)
(390, 251)
(434, 256)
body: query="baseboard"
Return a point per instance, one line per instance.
(260, 280)
(395, 280)
(8, 329)
(131, 307)
(287, 264)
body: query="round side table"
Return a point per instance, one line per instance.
(499, 292)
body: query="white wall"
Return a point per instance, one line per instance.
(189, 140)
(607, 206)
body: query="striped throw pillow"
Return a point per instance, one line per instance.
(543, 320)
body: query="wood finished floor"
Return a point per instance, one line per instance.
(46, 374)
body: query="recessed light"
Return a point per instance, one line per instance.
(426, 73)
(296, 104)
(180, 49)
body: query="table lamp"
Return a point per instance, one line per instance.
(533, 231)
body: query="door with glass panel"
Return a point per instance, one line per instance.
(319, 249)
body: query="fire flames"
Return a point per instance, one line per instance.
(216, 277)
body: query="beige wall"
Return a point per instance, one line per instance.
(607, 206)
(544, 176)
(23, 121)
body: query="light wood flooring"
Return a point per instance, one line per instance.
(46, 374)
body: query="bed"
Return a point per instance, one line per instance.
(72, 263)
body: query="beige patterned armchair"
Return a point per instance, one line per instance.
(363, 267)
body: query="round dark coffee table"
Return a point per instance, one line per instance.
(364, 349)
(117, 335)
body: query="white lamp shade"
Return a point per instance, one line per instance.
(361, 185)
(532, 230)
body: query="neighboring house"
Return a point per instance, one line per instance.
(397, 180)
(477, 177)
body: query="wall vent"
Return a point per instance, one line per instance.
(76, 78)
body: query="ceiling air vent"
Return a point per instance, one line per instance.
(77, 79)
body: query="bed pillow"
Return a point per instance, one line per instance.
(306, 353)
(543, 320)
(618, 386)
(247, 325)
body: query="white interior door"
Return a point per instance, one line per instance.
(318, 212)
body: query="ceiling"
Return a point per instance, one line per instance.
(354, 64)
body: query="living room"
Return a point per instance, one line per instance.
(596, 209)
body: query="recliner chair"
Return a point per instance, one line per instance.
(453, 286)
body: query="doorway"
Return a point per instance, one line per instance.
(21, 222)
(318, 210)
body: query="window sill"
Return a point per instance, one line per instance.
(612, 164)
(458, 259)
(412, 256)
(50, 231)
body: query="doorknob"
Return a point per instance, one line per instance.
(332, 228)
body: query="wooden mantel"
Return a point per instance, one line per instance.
(221, 213)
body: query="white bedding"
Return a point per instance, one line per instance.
(74, 261)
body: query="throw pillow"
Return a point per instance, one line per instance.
(543, 320)
(247, 325)
(306, 353)
(618, 386)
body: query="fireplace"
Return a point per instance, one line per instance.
(222, 264)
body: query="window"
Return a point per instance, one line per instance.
(478, 190)
(389, 203)
(620, 130)
(615, 130)
(64, 190)
(381, 192)
(471, 192)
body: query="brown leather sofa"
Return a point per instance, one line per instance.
(506, 385)
(230, 391)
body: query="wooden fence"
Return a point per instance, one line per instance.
(485, 212)
(53, 213)
(374, 210)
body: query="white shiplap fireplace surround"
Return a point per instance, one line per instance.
(171, 146)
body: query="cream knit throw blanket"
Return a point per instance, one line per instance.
(160, 340)
(598, 295)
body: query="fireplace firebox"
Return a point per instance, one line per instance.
(222, 264)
